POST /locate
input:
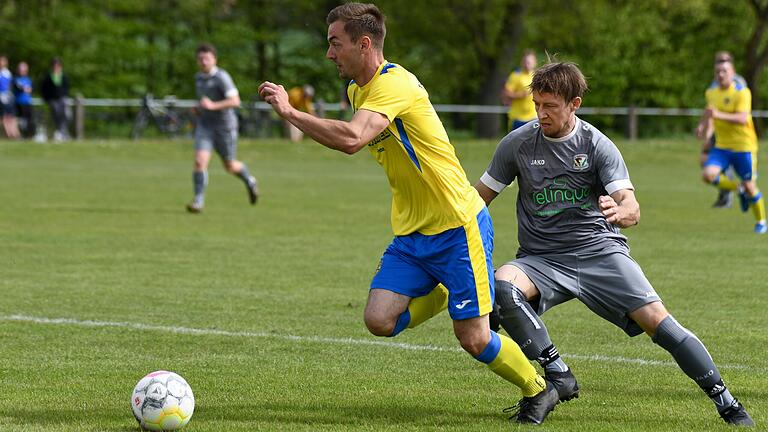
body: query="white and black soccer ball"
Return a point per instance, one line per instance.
(162, 401)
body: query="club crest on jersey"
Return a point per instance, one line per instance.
(580, 162)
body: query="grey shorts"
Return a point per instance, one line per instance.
(608, 281)
(224, 141)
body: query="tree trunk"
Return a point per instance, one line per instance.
(756, 57)
(489, 125)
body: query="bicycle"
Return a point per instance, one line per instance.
(163, 116)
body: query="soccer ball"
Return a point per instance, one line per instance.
(162, 401)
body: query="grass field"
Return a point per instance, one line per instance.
(104, 277)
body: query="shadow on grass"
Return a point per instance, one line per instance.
(111, 210)
(350, 413)
(342, 414)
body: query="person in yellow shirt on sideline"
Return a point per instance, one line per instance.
(729, 108)
(440, 256)
(301, 99)
(517, 95)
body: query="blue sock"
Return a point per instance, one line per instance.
(402, 323)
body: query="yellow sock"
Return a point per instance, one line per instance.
(510, 363)
(758, 208)
(425, 307)
(723, 182)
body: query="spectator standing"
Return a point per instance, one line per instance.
(7, 110)
(55, 91)
(22, 91)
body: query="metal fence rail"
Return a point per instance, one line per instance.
(79, 105)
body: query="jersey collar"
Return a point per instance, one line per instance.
(570, 135)
(212, 73)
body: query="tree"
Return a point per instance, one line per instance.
(757, 52)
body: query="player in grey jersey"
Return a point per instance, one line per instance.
(574, 195)
(216, 127)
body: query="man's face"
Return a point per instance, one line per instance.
(206, 61)
(724, 74)
(342, 51)
(529, 62)
(23, 69)
(555, 113)
(3, 62)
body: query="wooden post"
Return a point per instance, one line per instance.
(79, 117)
(632, 123)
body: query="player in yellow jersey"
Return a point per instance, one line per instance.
(729, 107)
(517, 95)
(300, 98)
(443, 241)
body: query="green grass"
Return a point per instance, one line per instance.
(97, 231)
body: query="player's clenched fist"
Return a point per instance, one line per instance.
(609, 208)
(275, 95)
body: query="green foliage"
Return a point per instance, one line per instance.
(645, 53)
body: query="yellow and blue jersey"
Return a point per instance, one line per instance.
(729, 135)
(298, 100)
(430, 190)
(521, 109)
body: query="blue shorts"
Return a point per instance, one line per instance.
(459, 258)
(744, 163)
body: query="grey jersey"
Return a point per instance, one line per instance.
(559, 181)
(217, 86)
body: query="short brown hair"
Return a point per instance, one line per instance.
(206, 48)
(360, 19)
(723, 56)
(563, 79)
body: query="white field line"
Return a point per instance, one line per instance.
(324, 340)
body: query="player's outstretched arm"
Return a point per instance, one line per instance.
(348, 137)
(620, 208)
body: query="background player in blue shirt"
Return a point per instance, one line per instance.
(22, 91)
(7, 107)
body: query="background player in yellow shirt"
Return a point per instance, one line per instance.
(443, 241)
(729, 107)
(517, 95)
(301, 98)
(706, 133)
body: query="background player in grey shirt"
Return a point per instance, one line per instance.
(216, 127)
(574, 196)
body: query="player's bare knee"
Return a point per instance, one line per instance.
(231, 167)
(649, 316)
(379, 325)
(474, 344)
(518, 278)
(709, 175)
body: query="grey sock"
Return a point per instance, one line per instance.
(245, 175)
(694, 359)
(200, 181)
